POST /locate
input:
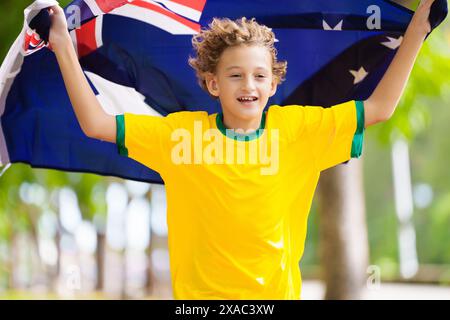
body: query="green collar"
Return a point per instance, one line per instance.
(240, 136)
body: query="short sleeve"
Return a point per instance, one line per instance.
(144, 138)
(336, 134)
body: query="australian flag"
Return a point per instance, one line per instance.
(134, 54)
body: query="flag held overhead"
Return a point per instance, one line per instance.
(134, 53)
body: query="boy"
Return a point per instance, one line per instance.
(239, 183)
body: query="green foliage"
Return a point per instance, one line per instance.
(433, 226)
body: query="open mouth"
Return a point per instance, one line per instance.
(247, 100)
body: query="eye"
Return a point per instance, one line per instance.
(235, 75)
(260, 76)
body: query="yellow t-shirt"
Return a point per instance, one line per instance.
(237, 204)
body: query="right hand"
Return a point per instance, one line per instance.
(59, 35)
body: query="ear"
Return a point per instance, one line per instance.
(273, 86)
(211, 84)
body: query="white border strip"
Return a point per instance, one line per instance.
(5, 168)
(180, 9)
(98, 31)
(94, 7)
(154, 18)
(4, 156)
(13, 60)
(118, 99)
(9, 69)
(73, 36)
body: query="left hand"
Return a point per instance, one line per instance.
(420, 20)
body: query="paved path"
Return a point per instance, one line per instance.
(314, 290)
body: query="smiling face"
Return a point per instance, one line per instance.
(244, 82)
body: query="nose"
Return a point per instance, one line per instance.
(248, 84)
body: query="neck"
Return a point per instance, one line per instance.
(238, 124)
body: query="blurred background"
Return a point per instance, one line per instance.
(82, 236)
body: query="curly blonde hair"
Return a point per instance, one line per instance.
(222, 33)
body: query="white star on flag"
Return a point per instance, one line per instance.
(338, 27)
(393, 43)
(359, 75)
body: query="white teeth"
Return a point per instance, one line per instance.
(247, 99)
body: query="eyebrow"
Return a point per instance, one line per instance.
(237, 67)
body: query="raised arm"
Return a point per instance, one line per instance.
(94, 121)
(381, 104)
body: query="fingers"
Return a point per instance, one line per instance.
(56, 9)
(426, 3)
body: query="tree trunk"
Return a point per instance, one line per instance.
(343, 231)
(57, 269)
(11, 262)
(54, 271)
(150, 281)
(100, 260)
(124, 257)
(124, 271)
(33, 214)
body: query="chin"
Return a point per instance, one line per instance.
(249, 113)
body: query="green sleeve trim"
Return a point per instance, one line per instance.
(120, 135)
(358, 138)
